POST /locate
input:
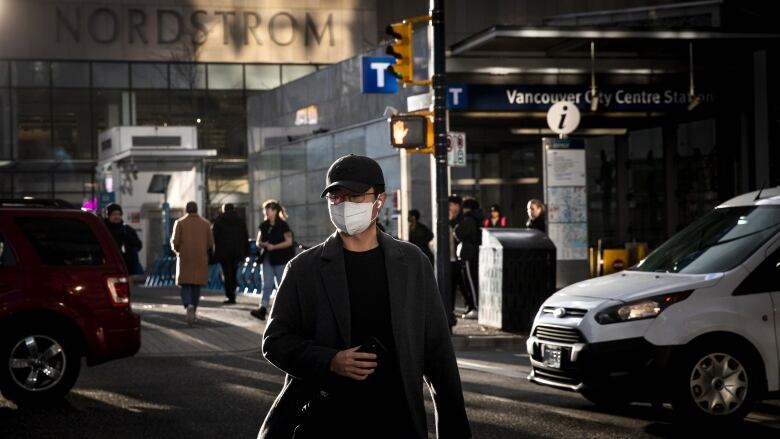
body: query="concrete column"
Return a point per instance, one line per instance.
(745, 153)
(669, 133)
(434, 209)
(621, 193)
(421, 186)
(405, 199)
(761, 118)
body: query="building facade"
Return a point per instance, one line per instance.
(685, 116)
(687, 113)
(72, 69)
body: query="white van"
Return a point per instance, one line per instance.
(696, 323)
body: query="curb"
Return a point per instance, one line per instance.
(485, 342)
(243, 352)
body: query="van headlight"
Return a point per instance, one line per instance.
(641, 309)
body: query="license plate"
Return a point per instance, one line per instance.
(551, 356)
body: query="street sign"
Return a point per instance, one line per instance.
(104, 199)
(419, 102)
(375, 77)
(563, 117)
(457, 97)
(409, 131)
(456, 149)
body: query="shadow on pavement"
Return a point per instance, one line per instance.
(204, 397)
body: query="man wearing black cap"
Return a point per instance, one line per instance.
(126, 238)
(357, 325)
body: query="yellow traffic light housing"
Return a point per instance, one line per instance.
(401, 49)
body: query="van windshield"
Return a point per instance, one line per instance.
(718, 242)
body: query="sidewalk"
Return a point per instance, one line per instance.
(229, 329)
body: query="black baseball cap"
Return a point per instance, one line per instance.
(355, 173)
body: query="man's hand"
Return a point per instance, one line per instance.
(352, 364)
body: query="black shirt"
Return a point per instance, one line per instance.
(129, 244)
(420, 235)
(536, 223)
(379, 400)
(275, 235)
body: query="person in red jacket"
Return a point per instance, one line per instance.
(495, 219)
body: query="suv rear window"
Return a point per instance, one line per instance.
(62, 241)
(7, 257)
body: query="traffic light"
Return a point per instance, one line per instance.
(411, 131)
(401, 49)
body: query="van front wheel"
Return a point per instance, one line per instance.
(715, 384)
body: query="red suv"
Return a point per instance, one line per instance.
(64, 294)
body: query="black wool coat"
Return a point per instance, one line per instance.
(310, 323)
(231, 239)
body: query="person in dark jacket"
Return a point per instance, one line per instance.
(455, 206)
(336, 304)
(126, 238)
(419, 234)
(536, 215)
(231, 242)
(494, 219)
(275, 242)
(468, 236)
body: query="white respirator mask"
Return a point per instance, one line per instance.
(352, 218)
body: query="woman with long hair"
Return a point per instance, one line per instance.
(275, 246)
(536, 215)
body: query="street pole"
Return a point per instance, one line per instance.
(440, 154)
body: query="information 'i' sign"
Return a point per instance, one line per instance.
(563, 117)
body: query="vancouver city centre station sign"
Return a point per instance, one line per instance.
(491, 97)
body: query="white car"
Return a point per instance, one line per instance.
(696, 323)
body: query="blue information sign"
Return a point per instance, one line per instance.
(375, 77)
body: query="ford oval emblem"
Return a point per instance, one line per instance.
(559, 312)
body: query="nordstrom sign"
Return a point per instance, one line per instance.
(169, 26)
(257, 31)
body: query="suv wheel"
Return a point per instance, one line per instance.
(37, 366)
(716, 384)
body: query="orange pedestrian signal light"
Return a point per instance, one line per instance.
(409, 131)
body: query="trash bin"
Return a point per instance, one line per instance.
(516, 274)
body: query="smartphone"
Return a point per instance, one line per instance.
(374, 346)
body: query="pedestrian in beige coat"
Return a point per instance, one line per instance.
(191, 241)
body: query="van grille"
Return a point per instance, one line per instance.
(559, 334)
(570, 312)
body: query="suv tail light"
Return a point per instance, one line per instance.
(118, 291)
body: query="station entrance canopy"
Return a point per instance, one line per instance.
(552, 42)
(506, 70)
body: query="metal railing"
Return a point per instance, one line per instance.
(249, 274)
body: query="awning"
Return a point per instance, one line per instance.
(565, 41)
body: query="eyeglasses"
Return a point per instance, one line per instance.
(352, 198)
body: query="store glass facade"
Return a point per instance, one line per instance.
(294, 174)
(52, 111)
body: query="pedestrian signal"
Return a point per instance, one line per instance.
(409, 131)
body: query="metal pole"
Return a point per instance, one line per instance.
(440, 154)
